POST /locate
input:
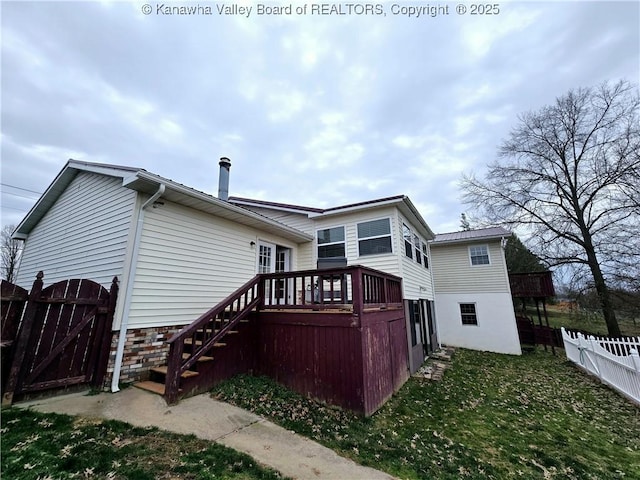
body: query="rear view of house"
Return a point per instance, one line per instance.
(178, 253)
(340, 304)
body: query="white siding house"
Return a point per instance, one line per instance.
(177, 252)
(473, 298)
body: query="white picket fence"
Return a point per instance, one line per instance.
(615, 362)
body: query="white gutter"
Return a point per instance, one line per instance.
(115, 379)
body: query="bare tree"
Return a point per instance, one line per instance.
(11, 250)
(570, 175)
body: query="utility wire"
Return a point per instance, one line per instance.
(18, 195)
(20, 188)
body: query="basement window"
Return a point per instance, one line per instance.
(468, 314)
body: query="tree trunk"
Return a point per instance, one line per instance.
(603, 291)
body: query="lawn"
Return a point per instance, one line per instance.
(492, 416)
(49, 446)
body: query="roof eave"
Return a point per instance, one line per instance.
(436, 243)
(146, 182)
(57, 187)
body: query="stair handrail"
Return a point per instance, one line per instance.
(176, 366)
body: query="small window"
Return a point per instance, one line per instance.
(331, 242)
(374, 237)
(479, 255)
(408, 247)
(416, 243)
(425, 255)
(468, 314)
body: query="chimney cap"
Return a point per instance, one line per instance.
(224, 162)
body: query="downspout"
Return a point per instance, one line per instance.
(129, 293)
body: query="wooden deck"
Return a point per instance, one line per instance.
(336, 335)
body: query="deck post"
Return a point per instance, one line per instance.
(261, 293)
(24, 333)
(172, 382)
(358, 301)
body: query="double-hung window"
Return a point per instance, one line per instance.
(425, 255)
(479, 255)
(416, 243)
(468, 314)
(331, 243)
(408, 247)
(374, 237)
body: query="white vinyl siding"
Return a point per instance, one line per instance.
(416, 279)
(83, 235)
(299, 221)
(188, 262)
(453, 272)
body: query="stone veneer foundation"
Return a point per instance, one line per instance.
(144, 348)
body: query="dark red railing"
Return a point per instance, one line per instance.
(354, 288)
(205, 332)
(531, 285)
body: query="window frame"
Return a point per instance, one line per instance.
(408, 244)
(471, 256)
(474, 321)
(343, 241)
(425, 255)
(417, 248)
(358, 239)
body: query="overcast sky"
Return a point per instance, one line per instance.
(312, 109)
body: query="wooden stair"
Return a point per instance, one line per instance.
(157, 375)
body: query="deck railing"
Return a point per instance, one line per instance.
(205, 332)
(354, 288)
(357, 289)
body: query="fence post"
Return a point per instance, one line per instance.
(105, 341)
(23, 339)
(635, 357)
(596, 364)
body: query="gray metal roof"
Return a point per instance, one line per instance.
(491, 233)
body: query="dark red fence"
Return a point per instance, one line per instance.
(532, 334)
(14, 299)
(64, 337)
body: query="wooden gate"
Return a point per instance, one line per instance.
(64, 337)
(12, 306)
